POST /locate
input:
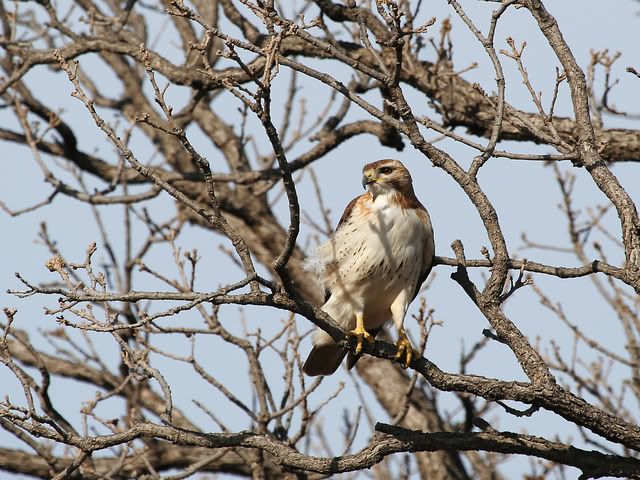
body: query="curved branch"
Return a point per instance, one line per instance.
(597, 266)
(593, 464)
(590, 157)
(459, 102)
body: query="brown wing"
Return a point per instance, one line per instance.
(421, 280)
(344, 218)
(429, 249)
(347, 212)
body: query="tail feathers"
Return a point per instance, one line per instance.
(323, 359)
(352, 358)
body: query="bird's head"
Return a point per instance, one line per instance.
(385, 176)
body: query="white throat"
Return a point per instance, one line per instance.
(382, 195)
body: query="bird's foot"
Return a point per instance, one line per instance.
(361, 336)
(405, 351)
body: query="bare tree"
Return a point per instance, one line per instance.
(202, 106)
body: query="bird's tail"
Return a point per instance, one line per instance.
(324, 359)
(325, 356)
(352, 358)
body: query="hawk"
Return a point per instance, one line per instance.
(373, 265)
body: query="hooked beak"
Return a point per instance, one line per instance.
(367, 178)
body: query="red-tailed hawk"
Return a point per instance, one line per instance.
(373, 265)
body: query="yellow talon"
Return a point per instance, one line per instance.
(360, 334)
(405, 351)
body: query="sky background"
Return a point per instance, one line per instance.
(524, 193)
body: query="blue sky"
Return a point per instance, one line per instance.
(524, 194)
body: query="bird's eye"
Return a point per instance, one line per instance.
(386, 170)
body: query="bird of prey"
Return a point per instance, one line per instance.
(373, 265)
